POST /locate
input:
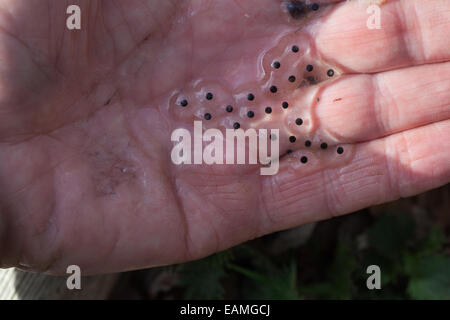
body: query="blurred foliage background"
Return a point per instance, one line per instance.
(408, 239)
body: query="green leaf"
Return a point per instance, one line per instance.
(433, 242)
(279, 283)
(202, 278)
(342, 269)
(430, 278)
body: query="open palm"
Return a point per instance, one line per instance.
(86, 118)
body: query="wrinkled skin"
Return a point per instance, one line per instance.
(85, 170)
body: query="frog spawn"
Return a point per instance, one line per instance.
(284, 96)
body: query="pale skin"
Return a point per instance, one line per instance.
(85, 171)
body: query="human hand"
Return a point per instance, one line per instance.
(86, 119)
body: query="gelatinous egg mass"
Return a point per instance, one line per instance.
(284, 97)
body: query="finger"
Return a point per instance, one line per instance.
(365, 107)
(383, 170)
(411, 32)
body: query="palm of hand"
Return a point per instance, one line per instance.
(85, 138)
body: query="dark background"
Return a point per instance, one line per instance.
(408, 239)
